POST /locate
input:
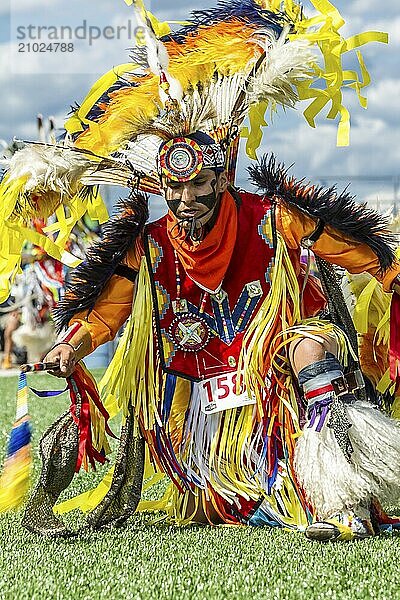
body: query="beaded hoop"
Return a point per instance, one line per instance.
(181, 159)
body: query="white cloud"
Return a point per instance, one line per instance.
(384, 100)
(377, 7)
(23, 6)
(24, 97)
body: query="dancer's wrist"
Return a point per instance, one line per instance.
(79, 340)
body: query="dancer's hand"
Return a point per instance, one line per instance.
(65, 355)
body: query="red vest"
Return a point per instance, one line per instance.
(199, 337)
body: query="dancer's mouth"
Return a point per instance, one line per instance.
(190, 214)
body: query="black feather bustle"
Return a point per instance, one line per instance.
(340, 211)
(102, 258)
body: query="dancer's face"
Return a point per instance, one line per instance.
(197, 199)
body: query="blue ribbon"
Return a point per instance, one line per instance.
(47, 393)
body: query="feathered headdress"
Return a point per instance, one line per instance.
(237, 61)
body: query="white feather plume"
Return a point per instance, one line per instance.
(48, 168)
(142, 153)
(158, 58)
(286, 64)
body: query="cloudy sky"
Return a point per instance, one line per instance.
(49, 82)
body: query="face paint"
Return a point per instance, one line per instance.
(210, 199)
(181, 200)
(173, 205)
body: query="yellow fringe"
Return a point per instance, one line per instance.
(16, 212)
(273, 311)
(138, 381)
(318, 330)
(371, 315)
(174, 505)
(88, 500)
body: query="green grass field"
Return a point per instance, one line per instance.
(144, 560)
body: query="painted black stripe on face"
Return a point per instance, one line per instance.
(173, 205)
(209, 200)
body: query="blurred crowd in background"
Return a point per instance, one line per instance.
(26, 328)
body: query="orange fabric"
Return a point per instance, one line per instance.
(207, 262)
(114, 305)
(110, 312)
(332, 246)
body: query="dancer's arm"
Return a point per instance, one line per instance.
(88, 331)
(333, 246)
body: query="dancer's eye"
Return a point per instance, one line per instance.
(174, 185)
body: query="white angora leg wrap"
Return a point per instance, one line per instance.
(332, 481)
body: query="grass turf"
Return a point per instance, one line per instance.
(148, 561)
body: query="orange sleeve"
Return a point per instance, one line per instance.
(333, 246)
(113, 306)
(134, 255)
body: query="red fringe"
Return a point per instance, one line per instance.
(381, 517)
(394, 351)
(81, 383)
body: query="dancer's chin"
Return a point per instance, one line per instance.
(190, 223)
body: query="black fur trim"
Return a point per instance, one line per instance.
(340, 211)
(102, 259)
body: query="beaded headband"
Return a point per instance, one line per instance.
(182, 158)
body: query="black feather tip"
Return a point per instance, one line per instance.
(340, 211)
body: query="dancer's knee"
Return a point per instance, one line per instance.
(306, 351)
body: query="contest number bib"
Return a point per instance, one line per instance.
(219, 393)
